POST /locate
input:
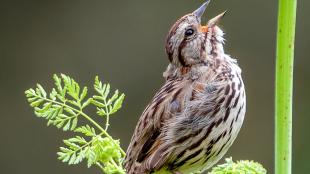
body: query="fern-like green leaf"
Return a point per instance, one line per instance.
(86, 130)
(63, 107)
(117, 104)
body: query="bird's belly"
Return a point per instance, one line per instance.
(215, 145)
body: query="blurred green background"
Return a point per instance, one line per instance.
(123, 42)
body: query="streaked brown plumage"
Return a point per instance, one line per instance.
(195, 117)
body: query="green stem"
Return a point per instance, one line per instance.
(102, 130)
(284, 86)
(100, 166)
(114, 164)
(107, 124)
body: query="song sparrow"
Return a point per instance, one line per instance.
(195, 117)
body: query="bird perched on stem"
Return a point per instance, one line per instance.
(196, 115)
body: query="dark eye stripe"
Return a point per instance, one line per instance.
(180, 57)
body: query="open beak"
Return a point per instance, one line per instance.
(212, 22)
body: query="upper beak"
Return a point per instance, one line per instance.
(200, 11)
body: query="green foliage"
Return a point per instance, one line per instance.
(230, 167)
(63, 107)
(240, 167)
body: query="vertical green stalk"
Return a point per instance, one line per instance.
(284, 86)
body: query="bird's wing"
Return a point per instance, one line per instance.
(146, 139)
(201, 99)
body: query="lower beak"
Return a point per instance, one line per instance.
(214, 21)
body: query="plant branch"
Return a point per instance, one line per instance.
(86, 117)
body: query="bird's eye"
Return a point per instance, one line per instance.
(189, 32)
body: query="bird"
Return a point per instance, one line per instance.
(196, 115)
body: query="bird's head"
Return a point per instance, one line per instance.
(189, 42)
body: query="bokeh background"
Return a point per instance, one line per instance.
(123, 42)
